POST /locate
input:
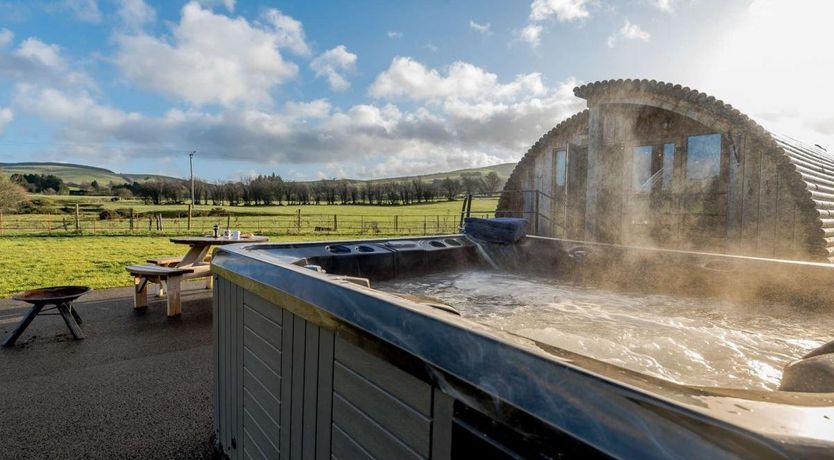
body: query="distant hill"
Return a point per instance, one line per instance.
(74, 174)
(503, 170)
(70, 173)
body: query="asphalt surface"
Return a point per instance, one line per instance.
(138, 386)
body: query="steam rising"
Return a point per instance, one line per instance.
(684, 340)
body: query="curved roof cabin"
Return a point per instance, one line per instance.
(655, 164)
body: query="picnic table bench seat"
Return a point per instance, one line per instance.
(171, 276)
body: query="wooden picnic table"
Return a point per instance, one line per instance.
(200, 245)
(169, 272)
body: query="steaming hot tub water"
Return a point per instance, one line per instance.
(702, 342)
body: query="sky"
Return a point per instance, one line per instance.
(374, 88)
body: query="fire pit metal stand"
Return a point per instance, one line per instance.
(61, 298)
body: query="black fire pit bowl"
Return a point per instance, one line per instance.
(59, 296)
(52, 295)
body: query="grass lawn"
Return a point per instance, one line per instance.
(97, 261)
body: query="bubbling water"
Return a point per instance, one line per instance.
(691, 341)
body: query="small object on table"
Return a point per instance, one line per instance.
(61, 297)
(216, 230)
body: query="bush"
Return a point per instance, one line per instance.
(107, 215)
(37, 206)
(110, 214)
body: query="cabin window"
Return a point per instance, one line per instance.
(560, 196)
(561, 169)
(668, 166)
(642, 168)
(703, 160)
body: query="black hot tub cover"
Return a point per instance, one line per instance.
(502, 230)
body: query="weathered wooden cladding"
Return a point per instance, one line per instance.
(781, 201)
(287, 388)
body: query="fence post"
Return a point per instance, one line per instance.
(437, 224)
(1, 222)
(150, 223)
(361, 225)
(424, 225)
(77, 219)
(160, 222)
(298, 221)
(469, 205)
(131, 220)
(189, 217)
(335, 223)
(396, 223)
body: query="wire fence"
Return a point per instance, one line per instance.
(297, 223)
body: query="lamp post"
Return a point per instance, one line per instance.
(191, 167)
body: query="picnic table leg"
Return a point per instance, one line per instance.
(210, 281)
(194, 255)
(140, 293)
(33, 312)
(174, 305)
(64, 309)
(161, 288)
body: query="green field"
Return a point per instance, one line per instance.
(436, 217)
(28, 261)
(96, 261)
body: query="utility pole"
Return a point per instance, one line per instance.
(191, 167)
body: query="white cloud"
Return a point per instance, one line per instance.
(543, 10)
(781, 80)
(667, 6)
(237, 63)
(485, 29)
(34, 61)
(36, 50)
(6, 116)
(408, 78)
(136, 13)
(628, 31)
(332, 64)
(6, 37)
(460, 116)
(395, 35)
(289, 33)
(530, 34)
(564, 10)
(83, 10)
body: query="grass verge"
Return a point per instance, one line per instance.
(96, 261)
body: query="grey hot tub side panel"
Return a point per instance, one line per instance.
(289, 389)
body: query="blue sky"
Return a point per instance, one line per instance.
(377, 88)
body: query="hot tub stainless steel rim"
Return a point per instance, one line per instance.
(458, 368)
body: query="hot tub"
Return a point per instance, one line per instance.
(313, 363)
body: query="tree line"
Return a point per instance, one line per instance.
(273, 190)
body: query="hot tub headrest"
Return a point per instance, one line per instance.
(503, 230)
